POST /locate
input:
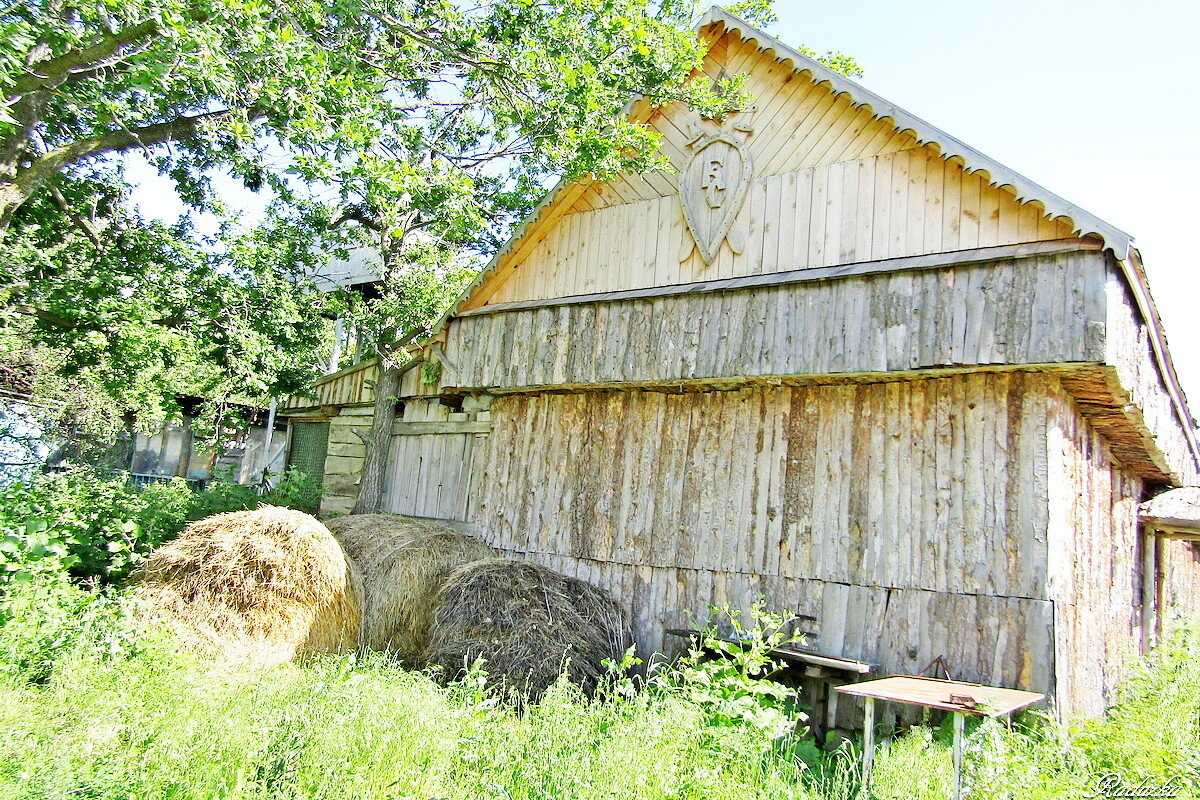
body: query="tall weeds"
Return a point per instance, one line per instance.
(87, 710)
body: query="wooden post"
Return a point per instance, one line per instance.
(831, 707)
(335, 356)
(868, 756)
(958, 754)
(1149, 586)
(1160, 590)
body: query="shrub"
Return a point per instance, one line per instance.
(91, 527)
(47, 621)
(291, 489)
(294, 489)
(735, 687)
(99, 528)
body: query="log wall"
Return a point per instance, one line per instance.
(1179, 592)
(344, 459)
(435, 458)
(1095, 570)
(1140, 378)
(909, 518)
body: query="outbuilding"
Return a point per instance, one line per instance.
(836, 358)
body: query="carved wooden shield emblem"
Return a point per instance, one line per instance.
(711, 189)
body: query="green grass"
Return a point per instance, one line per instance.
(88, 711)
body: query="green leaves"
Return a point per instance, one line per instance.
(124, 321)
(99, 529)
(731, 676)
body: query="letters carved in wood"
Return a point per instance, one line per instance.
(712, 187)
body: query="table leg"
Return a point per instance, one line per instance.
(958, 755)
(868, 756)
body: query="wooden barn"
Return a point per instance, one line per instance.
(837, 358)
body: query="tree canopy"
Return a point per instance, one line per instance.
(109, 320)
(378, 98)
(417, 126)
(421, 128)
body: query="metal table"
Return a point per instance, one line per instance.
(957, 697)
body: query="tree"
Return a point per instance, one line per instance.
(433, 121)
(107, 319)
(424, 127)
(325, 81)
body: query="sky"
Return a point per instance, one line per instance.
(1096, 101)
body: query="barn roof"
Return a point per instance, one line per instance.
(1176, 508)
(950, 148)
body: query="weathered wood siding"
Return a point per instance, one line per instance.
(350, 386)
(863, 210)
(1033, 310)
(796, 124)
(1140, 377)
(1179, 571)
(909, 518)
(435, 459)
(831, 186)
(1095, 562)
(435, 462)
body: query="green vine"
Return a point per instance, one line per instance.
(431, 373)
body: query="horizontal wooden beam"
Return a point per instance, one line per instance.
(341, 373)
(954, 258)
(1174, 528)
(685, 385)
(425, 428)
(294, 411)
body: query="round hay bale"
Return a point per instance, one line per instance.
(529, 623)
(267, 586)
(403, 563)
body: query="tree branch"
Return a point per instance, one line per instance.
(51, 318)
(77, 220)
(50, 72)
(25, 111)
(34, 176)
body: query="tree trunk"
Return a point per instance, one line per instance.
(387, 390)
(11, 198)
(387, 386)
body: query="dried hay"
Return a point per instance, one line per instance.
(263, 586)
(529, 623)
(404, 563)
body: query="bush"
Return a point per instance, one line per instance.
(99, 528)
(734, 683)
(291, 489)
(88, 526)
